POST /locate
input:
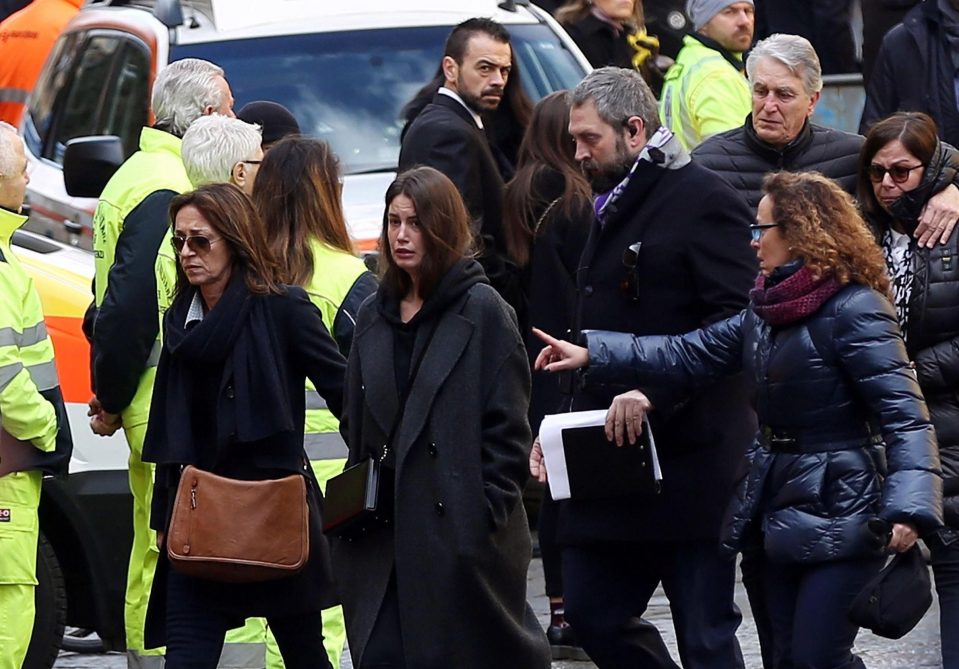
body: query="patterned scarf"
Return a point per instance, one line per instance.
(663, 150)
(902, 274)
(792, 299)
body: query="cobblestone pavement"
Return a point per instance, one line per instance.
(918, 649)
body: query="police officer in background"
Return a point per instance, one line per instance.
(33, 424)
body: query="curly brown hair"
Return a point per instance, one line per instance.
(823, 228)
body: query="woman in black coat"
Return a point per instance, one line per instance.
(902, 165)
(832, 385)
(546, 220)
(229, 399)
(444, 584)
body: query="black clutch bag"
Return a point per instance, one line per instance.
(358, 499)
(599, 469)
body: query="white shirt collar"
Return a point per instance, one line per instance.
(453, 94)
(195, 314)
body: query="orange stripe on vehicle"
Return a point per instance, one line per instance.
(72, 357)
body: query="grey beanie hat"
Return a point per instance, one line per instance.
(700, 12)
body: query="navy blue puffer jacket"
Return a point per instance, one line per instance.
(822, 381)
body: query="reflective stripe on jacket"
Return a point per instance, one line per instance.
(703, 94)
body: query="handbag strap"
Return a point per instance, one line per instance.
(542, 217)
(406, 393)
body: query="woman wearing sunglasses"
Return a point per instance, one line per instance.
(437, 390)
(832, 384)
(228, 399)
(902, 165)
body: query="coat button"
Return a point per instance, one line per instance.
(229, 391)
(432, 450)
(440, 509)
(587, 291)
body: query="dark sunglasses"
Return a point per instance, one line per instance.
(198, 243)
(756, 231)
(629, 285)
(899, 173)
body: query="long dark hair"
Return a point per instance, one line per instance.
(231, 214)
(297, 193)
(918, 134)
(546, 148)
(443, 222)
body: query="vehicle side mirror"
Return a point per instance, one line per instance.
(89, 162)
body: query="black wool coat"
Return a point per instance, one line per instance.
(459, 543)
(740, 157)
(303, 348)
(695, 266)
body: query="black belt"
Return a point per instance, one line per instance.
(778, 440)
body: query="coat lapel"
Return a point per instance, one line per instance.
(453, 333)
(376, 360)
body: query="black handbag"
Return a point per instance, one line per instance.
(896, 599)
(360, 498)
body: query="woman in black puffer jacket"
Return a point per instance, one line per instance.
(902, 165)
(833, 384)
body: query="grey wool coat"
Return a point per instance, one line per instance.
(459, 543)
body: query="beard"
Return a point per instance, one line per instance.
(478, 103)
(603, 177)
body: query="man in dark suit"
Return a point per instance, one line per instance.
(668, 253)
(449, 135)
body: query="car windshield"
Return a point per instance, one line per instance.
(349, 88)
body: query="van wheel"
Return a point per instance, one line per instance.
(51, 601)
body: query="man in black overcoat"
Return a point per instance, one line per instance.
(449, 136)
(668, 253)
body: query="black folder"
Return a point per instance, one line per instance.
(599, 469)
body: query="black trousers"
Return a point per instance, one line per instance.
(549, 549)
(944, 547)
(608, 587)
(195, 632)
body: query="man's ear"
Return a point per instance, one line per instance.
(451, 70)
(238, 174)
(812, 103)
(635, 132)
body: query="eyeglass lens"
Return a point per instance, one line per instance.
(899, 173)
(198, 243)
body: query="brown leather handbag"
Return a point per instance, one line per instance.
(235, 531)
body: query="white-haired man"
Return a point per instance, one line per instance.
(219, 149)
(130, 222)
(31, 411)
(786, 80)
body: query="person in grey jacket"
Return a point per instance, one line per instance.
(444, 583)
(833, 385)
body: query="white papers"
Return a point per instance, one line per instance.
(554, 455)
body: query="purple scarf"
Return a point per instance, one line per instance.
(794, 298)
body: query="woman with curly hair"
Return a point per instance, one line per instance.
(836, 400)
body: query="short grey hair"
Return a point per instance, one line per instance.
(181, 92)
(618, 93)
(214, 144)
(793, 51)
(8, 135)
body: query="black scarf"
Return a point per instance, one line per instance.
(239, 333)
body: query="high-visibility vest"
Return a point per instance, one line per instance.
(26, 38)
(703, 94)
(156, 166)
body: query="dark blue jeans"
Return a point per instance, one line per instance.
(945, 567)
(608, 587)
(809, 606)
(195, 632)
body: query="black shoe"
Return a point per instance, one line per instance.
(562, 643)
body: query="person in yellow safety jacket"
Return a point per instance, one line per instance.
(305, 171)
(26, 38)
(706, 91)
(129, 224)
(31, 411)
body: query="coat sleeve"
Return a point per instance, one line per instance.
(717, 104)
(938, 366)
(677, 363)
(316, 353)
(126, 325)
(873, 356)
(882, 98)
(506, 435)
(351, 421)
